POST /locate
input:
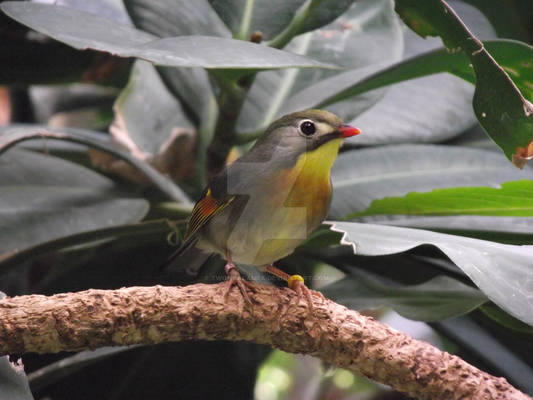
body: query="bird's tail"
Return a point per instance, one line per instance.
(188, 257)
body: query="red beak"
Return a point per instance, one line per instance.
(347, 131)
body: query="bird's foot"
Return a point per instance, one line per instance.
(296, 283)
(235, 279)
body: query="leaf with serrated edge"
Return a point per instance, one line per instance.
(504, 273)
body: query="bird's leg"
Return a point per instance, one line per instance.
(235, 279)
(295, 282)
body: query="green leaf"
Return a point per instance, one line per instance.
(13, 381)
(169, 18)
(511, 199)
(44, 198)
(502, 272)
(246, 17)
(502, 357)
(273, 17)
(501, 317)
(430, 109)
(436, 299)
(509, 53)
(84, 30)
(149, 114)
(166, 18)
(362, 176)
(65, 367)
(87, 237)
(370, 25)
(326, 12)
(501, 109)
(13, 134)
(310, 16)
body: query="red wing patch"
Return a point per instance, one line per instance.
(202, 212)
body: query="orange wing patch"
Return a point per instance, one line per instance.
(202, 212)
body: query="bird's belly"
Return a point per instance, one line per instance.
(267, 229)
(268, 238)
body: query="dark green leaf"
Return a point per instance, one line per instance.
(166, 18)
(502, 272)
(479, 342)
(509, 53)
(439, 298)
(11, 135)
(432, 109)
(149, 114)
(13, 380)
(501, 317)
(83, 30)
(244, 17)
(44, 198)
(326, 12)
(178, 18)
(82, 239)
(499, 106)
(372, 25)
(362, 176)
(63, 368)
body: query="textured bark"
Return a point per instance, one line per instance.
(95, 318)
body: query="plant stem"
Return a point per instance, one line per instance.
(230, 100)
(295, 26)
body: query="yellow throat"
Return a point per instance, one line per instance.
(310, 176)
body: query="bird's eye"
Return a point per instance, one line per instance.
(307, 128)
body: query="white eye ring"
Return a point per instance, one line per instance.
(307, 128)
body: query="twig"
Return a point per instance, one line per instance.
(96, 318)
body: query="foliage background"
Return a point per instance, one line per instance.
(73, 218)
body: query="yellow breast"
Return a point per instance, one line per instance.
(310, 180)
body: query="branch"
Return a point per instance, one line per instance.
(148, 315)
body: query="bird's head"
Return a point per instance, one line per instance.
(303, 132)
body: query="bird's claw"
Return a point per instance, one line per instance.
(296, 283)
(235, 279)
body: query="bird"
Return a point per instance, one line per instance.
(259, 208)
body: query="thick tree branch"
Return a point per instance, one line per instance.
(95, 318)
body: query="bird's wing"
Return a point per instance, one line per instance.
(207, 207)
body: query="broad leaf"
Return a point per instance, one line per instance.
(11, 135)
(504, 357)
(362, 176)
(244, 17)
(501, 317)
(178, 18)
(147, 112)
(369, 25)
(43, 198)
(13, 381)
(502, 272)
(429, 109)
(272, 17)
(88, 31)
(86, 238)
(439, 298)
(499, 106)
(511, 199)
(63, 368)
(166, 18)
(509, 53)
